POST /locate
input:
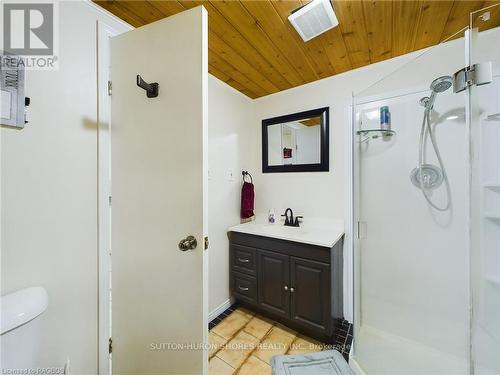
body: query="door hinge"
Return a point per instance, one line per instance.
(109, 199)
(207, 243)
(110, 88)
(110, 345)
(361, 230)
(477, 74)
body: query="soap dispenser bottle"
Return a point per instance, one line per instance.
(271, 217)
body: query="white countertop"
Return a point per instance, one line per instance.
(326, 234)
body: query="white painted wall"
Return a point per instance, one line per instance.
(49, 203)
(231, 150)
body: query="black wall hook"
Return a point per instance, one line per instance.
(151, 88)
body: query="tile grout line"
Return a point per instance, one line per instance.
(229, 339)
(260, 341)
(225, 363)
(295, 339)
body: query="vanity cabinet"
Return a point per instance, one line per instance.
(297, 284)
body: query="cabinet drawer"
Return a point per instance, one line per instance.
(244, 287)
(243, 259)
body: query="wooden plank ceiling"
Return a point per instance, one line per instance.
(253, 47)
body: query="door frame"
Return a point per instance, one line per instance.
(104, 33)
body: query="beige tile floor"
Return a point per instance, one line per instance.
(244, 343)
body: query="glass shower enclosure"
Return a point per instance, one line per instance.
(426, 215)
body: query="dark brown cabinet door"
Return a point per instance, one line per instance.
(274, 276)
(310, 296)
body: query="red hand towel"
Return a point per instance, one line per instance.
(247, 197)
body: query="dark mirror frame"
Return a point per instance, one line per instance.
(323, 165)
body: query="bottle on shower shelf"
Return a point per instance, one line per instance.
(385, 118)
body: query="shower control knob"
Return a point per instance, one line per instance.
(189, 243)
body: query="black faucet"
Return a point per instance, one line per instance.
(289, 222)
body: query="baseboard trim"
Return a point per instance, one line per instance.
(219, 309)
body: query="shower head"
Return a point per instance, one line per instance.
(441, 84)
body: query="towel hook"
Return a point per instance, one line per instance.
(244, 174)
(151, 88)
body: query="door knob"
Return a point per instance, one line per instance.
(292, 290)
(286, 287)
(189, 243)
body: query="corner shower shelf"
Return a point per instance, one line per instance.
(374, 133)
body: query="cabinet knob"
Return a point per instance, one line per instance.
(286, 287)
(292, 290)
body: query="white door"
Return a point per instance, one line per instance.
(159, 174)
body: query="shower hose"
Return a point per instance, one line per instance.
(426, 128)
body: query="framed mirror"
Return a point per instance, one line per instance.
(296, 143)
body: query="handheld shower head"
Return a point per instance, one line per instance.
(441, 84)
